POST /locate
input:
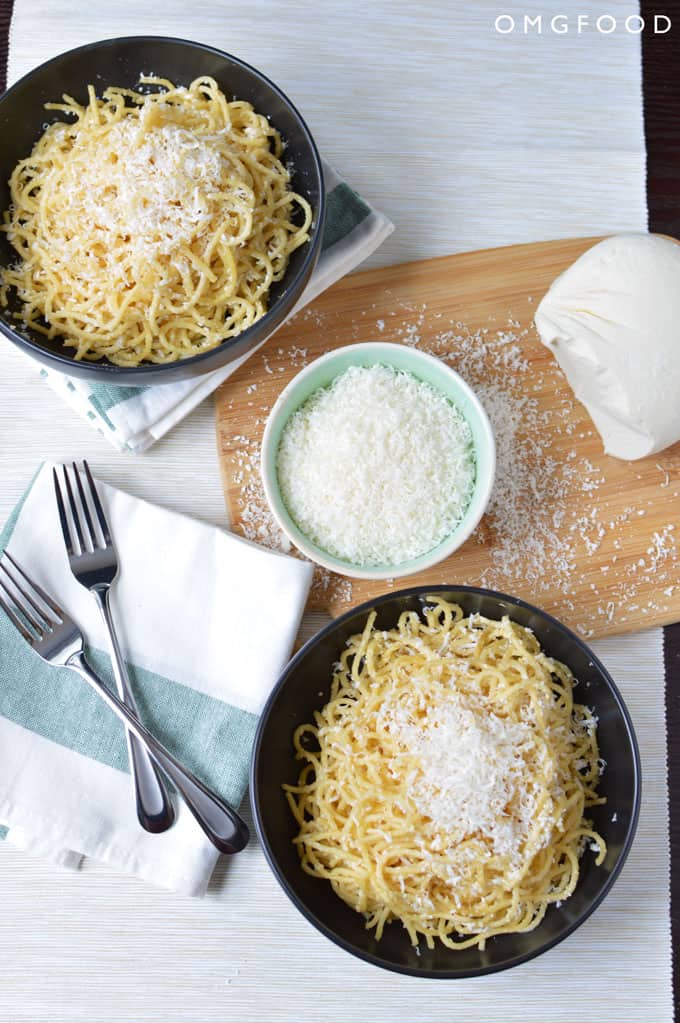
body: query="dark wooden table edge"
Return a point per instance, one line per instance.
(661, 99)
(6, 7)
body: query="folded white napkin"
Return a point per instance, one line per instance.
(206, 620)
(134, 418)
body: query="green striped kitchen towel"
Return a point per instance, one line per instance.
(207, 622)
(133, 418)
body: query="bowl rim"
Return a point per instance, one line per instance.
(429, 558)
(376, 960)
(106, 372)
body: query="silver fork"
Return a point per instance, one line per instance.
(94, 563)
(58, 640)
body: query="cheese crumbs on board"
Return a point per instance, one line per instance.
(377, 468)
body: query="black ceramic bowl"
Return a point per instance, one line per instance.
(304, 687)
(120, 62)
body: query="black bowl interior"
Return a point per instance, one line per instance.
(304, 687)
(120, 62)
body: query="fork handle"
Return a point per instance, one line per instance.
(223, 826)
(155, 811)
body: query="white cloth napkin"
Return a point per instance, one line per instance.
(206, 620)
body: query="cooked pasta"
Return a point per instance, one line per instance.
(150, 226)
(445, 781)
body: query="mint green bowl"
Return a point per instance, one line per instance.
(424, 367)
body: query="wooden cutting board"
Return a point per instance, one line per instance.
(589, 538)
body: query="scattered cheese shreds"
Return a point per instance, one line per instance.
(157, 199)
(378, 467)
(551, 530)
(470, 767)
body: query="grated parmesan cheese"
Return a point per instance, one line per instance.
(543, 528)
(378, 468)
(159, 196)
(472, 777)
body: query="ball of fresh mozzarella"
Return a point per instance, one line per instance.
(612, 321)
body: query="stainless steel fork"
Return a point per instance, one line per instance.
(94, 563)
(58, 640)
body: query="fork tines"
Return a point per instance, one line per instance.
(79, 532)
(25, 603)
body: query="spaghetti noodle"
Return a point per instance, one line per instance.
(153, 226)
(448, 779)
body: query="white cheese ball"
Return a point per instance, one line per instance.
(612, 321)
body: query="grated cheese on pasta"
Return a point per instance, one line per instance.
(152, 227)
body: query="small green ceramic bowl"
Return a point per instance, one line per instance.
(433, 371)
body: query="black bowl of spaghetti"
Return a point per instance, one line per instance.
(164, 208)
(446, 782)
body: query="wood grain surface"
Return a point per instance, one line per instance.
(588, 537)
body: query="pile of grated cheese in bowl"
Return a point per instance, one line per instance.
(378, 468)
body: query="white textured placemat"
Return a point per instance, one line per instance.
(97, 948)
(465, 139)
(497, 138)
